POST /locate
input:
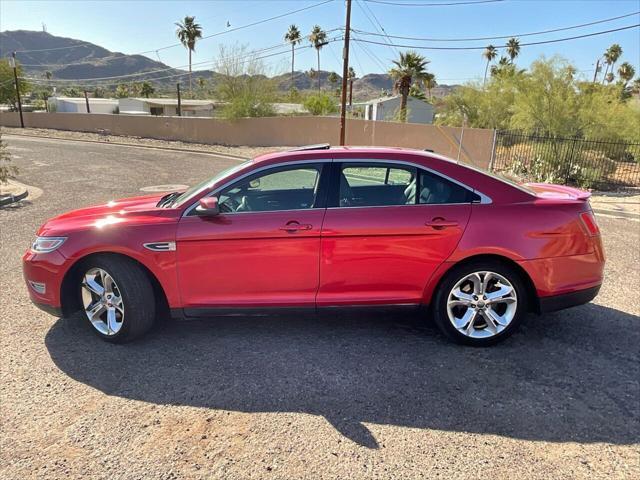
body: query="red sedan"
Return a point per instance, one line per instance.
(323, 227)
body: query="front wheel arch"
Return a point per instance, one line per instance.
(70, 301)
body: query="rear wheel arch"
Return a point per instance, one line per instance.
(69, 299)
(532, 296)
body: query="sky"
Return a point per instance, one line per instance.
(139, 26)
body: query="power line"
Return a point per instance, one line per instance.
(156, 50)
(515, 35)
(149, 72)
(421, 4)
(86, 81)
(542, 42)
(381, 30)
(253, 24)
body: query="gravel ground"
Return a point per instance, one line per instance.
(342, 396)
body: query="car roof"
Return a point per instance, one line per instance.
(322, 151)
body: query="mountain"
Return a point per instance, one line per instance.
(68, 58)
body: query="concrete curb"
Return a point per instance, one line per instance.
(123, 144)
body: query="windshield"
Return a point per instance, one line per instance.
(208, 183)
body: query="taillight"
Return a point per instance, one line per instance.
(589, 221)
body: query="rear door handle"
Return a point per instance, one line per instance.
(296, 227)
(439, 223)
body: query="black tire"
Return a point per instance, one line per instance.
(451, 278)
(136, 291)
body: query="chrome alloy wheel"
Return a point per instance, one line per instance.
(482, 304)
(102, 301)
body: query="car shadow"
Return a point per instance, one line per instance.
(568, 376)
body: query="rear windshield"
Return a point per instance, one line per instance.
(504, 177)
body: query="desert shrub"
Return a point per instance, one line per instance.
(320, 104)
(6, 169)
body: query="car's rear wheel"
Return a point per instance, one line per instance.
(480, 303)
(117, 298)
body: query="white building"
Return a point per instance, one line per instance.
(166, 107)
(388, 108)
(79, 105)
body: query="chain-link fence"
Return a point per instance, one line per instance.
(585, 163)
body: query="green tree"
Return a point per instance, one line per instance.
(122, 91)
(513, 48)
(146, 89)
(7, 84)
(242, 84)
(333, 80)
(294, 37)
(320, 104)
(188, 33)
(490, 53)
(611, 56)
(409, 67)
(609, 77)
(626, 72)
(351, 77)
(430, 83)
(416, 92)
(318, 39)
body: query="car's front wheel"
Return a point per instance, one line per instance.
(117, 298)
(480, 303)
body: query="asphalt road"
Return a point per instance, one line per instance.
(340, 396)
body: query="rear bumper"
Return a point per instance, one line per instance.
(567, 300)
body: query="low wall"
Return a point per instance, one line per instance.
(477, 144)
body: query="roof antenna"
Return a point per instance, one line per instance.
(44, 27)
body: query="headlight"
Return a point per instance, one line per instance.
(46, 244)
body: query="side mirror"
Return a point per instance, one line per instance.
(208, 206)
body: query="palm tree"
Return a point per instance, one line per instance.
(490, 53)
(294, 37)
(626, 72)
(318, 39)
(611, 56)
(188, 33)
(513, 48)
(409, 67)
(333, 80)
(351, 76)
(429, 83)
(609, 77)
(502, 66)
(147, 89)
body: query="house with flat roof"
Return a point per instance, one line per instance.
(166, 107)
(388, 108)
(79, 105)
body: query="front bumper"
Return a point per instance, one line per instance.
(46, 271)
(567, 300)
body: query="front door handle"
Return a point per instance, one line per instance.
(440, 223)
(296, 227)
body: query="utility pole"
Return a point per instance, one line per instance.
(12, 64)
(345, 74)
(595, 74)
(179, 100)
(86, 100)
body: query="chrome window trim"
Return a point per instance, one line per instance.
(484, 199)
(258, 170)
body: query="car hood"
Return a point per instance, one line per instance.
(127, 211)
